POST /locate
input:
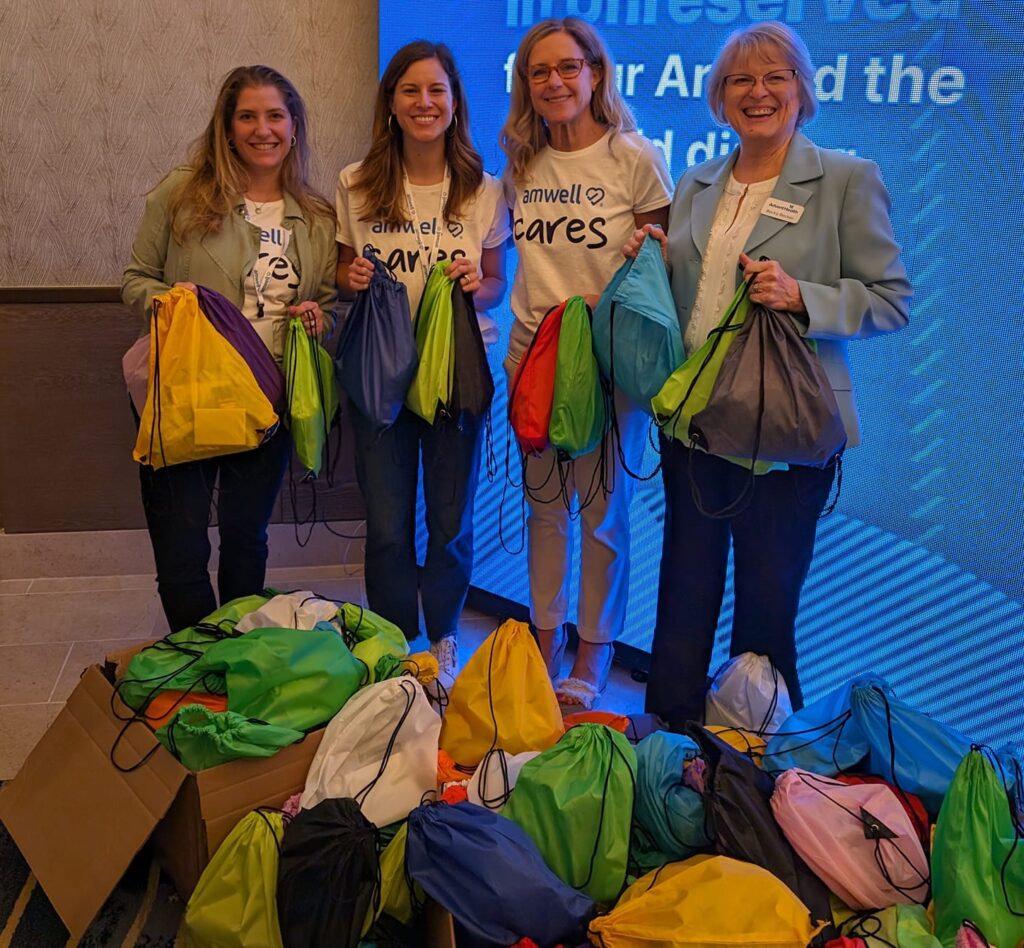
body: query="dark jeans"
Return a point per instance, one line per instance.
(177, 503)
(387, 467)
(773, 543)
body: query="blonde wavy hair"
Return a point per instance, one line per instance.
(524, 132)
(218, 177)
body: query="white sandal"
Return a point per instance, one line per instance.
(582, 694)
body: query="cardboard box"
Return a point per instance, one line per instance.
(79, 820)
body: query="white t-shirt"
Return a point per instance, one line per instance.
(482, 224)
(272, 280)
(571, 218)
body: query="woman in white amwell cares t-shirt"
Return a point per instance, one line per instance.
(420, 196)
(580, 181)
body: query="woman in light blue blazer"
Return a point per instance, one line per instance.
(822, 219)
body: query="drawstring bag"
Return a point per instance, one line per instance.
(328, 876)
(578, 416)
(472, 382)
(739, 818)
(202, 399)
(970, 936)
(978, 855)
(494, 780)
(532, 393)
(668, 816)
(135, 369)
(636, 328)
(398, 900)
(746, 742)
(907, 747)
(575, 801)
(234, 902)
(502, 698)
(376, 355)
(706, 902)
(772, 400)
(857, 838)
(380, 750)
(295, 610)
(748, 692)
(202, 738)
(165, 705)
(617, 722)
(371, 638)
(911, 804)
(431, 388)
(486, 871)
(297, 678)
(900, 926)
(311, 396)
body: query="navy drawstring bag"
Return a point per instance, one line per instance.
(486, 871)
(376, 358)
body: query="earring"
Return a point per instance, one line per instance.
(391, 123)
(293, 141)
(231, 144)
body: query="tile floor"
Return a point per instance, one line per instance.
(52, 628)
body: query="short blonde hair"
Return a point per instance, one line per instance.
(524, 133)
(761, 39)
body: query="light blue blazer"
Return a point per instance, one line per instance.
(841, 251)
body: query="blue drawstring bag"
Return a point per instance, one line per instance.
(908, 748)
(376, 356)
(668, 817)
(636, 328)
(486, 871)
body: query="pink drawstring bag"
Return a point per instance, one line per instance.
(858, 839)
(970, 936)
(135, 367)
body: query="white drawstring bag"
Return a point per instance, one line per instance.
(296, 610)
(493, 781)
(749, 693)
(380, 750)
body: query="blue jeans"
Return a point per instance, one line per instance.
(773, 543)
(387, 467)
(177, 502)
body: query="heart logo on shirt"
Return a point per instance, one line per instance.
(455, 228)
(595, 195)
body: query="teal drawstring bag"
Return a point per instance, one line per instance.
(578, 416)
(431, 390)
(575, 801)
(202, 738)
(637, 339)
(668, 817)
(311, 395)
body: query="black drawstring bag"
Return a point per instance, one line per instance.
(738, 817)
(328, 876)
(472, 383)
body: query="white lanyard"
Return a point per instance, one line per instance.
(427, 258)
(261, 280)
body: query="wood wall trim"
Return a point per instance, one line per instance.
(60, 294)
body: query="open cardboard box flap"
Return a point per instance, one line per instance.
(78, 820)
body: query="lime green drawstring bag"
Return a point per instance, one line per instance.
(575, 801)
(235, 902)
(296, 678)
(431, 388)
(202, 738)
(310, 393)
(396, 898)
(978, 853)
(577, 412)
(371, 637)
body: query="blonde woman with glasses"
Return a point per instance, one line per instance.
(580, 180)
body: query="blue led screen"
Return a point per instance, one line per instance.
(918, 574)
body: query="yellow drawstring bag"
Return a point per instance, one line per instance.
(502, 699)
(746, 742)
(202, 399)
(396, 898)
(706, 902)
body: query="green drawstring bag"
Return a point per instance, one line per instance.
(202, 738)
(904, 925)
(575, 801)
(577, 411)
(311, 395)
(235, 902)
(978, 853)
(170, 663)
(431, 388)
(296, 678)
(371, 637)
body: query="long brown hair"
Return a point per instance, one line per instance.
(524, 132)
(379, 179)
(218, 177)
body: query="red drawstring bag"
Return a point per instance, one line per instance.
(533, 386)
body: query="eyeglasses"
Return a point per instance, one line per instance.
(566, 69)
(771, 80)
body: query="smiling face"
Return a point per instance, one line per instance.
(762, 115)
(262, 130)
(562, 101)
(423, 104)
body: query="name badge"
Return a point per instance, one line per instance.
(783, 210)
